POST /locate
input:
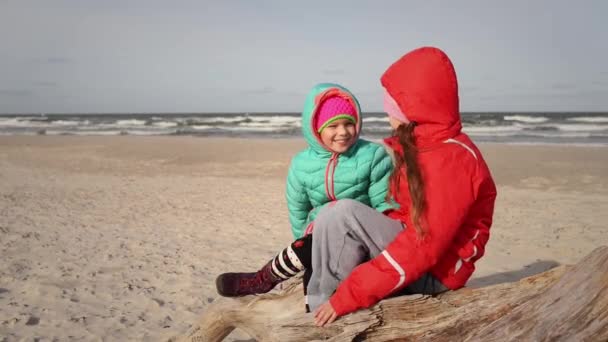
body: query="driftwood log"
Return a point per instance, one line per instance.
(567, 303)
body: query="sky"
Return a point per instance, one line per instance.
(126, 56)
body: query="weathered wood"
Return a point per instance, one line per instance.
(555, 305)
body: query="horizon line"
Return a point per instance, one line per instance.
(293, 112)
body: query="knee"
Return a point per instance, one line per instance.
(337, 211)
(346, 206)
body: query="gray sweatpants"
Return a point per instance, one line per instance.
(346, 234)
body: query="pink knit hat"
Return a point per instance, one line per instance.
(392, 108)
(332, 109)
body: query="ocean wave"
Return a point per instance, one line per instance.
(130, 122)
(526, 119)
(104, 132)
(14, 122)
(201, 127)
(278, 119)
(383, 120)
(217, 119)
(492, 129)
(558, 127)
(165, 124)
(69, 123)
(253, 129)
(590, 119)
(582, 127)
(277, 124)
(271, 120)
(70, 132)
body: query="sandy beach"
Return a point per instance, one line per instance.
(121, 238)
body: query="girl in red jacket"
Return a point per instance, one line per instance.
(443, 187)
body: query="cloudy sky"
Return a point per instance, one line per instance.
(246, 55)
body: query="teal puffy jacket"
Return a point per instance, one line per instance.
(317, 176)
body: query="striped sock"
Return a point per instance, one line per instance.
(286, 264)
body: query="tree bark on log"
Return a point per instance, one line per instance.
(567, 303)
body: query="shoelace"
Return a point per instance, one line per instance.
(254, 283)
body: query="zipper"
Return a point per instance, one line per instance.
(330, 190)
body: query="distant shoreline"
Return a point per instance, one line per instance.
(598, 112)
(565, 128)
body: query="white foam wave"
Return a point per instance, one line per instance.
(526, 119)
(253, 129)
(592, 128)
(219, 119)
(69, 123)
(589, 119)
(91, 132)
(165, 124)
(273, 120)
(270, 124)
(14, 122)
(281, 119)
(104, 132)
(383, 120)
(492, 129)
(132, 122)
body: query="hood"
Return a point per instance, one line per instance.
(423, 83)
(314, 98)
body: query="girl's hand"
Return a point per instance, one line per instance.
(325, 314)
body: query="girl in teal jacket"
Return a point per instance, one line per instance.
(322, 173)
(336, 165)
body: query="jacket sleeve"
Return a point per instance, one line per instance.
(382, 166)
(449, 195)
(474, 249)
(298, 202)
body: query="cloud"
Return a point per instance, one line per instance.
(16, 92)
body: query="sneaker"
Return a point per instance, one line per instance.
(243, 284)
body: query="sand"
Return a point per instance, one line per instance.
(121, 238)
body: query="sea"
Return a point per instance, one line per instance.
(571, 128)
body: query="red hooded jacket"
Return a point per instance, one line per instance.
(458, 188)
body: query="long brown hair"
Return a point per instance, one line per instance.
(409, 161)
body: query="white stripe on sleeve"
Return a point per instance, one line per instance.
(397, 268)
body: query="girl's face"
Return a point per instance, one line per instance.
(339, 136)
(394, 122)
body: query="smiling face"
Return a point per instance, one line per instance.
(339, 135)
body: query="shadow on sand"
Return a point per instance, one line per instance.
(512, 276)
